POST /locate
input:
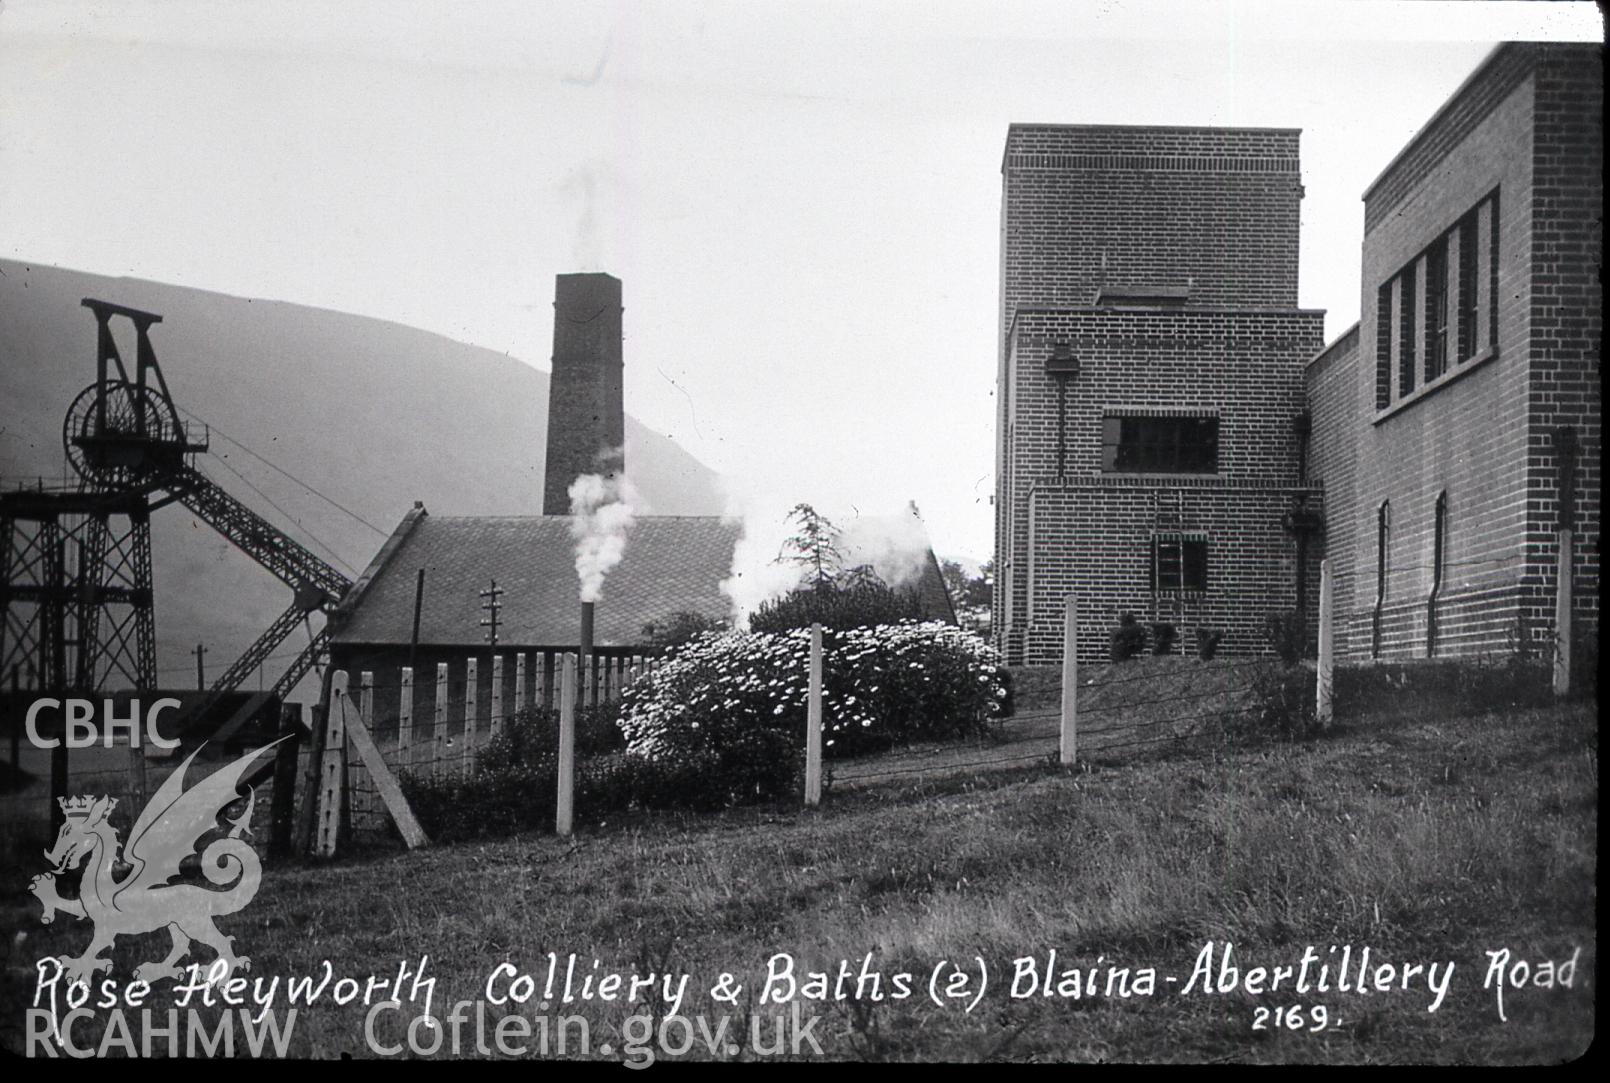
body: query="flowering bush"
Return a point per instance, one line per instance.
(722, 722)
(881, 686)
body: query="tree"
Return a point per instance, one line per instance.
(981, 588)
(813, 547)
(969, 591)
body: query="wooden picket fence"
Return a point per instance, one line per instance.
(377, 728)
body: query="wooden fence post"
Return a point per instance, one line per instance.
(472, 689)
(567, 748)
(332, 775)
(1325, 671)
(1070, 681)
(547, 681)
(813, 723)
(307, 814)
(366, 707)
(405, 720)
(384, 783)
(496, 725)
(439, 759)
(519, 682)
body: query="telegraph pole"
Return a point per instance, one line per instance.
(201, 678)
(491, 605)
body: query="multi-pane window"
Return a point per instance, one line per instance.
(1436, 310)
(1160, 445)
(1489, 214)
(1469, 250)
(1383, 346)
(1439, 309)
(1179, 562)
(1406, 310)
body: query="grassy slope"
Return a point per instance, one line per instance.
(1427, 842)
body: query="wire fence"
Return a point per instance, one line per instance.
(440, 729)
(1118, 716)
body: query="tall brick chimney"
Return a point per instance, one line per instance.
(586, 413)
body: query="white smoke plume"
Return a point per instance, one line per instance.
(601, 513)
(756, 576)
(895, 545)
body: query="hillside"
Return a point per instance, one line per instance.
(371, 414)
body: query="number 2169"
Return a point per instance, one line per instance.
(1296, 1017)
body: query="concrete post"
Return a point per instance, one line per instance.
(567, 748)
(813, 724)
(1324, 683)
(1070, 681)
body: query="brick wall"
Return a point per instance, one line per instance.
(586, 408)
(1567, 209)
(1332, 380)
(1091, 531)
(1092, 543)
(1213, 209)
(1210, 213)
(1525, 126)
(1466, 437)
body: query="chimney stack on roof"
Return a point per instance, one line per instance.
(586, 410)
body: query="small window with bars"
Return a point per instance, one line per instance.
(1179, 562)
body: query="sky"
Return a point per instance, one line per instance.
(802, 199)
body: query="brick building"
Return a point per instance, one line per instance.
(1442, 421)
(1150, 382)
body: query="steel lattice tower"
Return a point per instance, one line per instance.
(75, 571)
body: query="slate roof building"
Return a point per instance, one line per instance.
(672, 563)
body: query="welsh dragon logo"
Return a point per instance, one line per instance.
(141, 900)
